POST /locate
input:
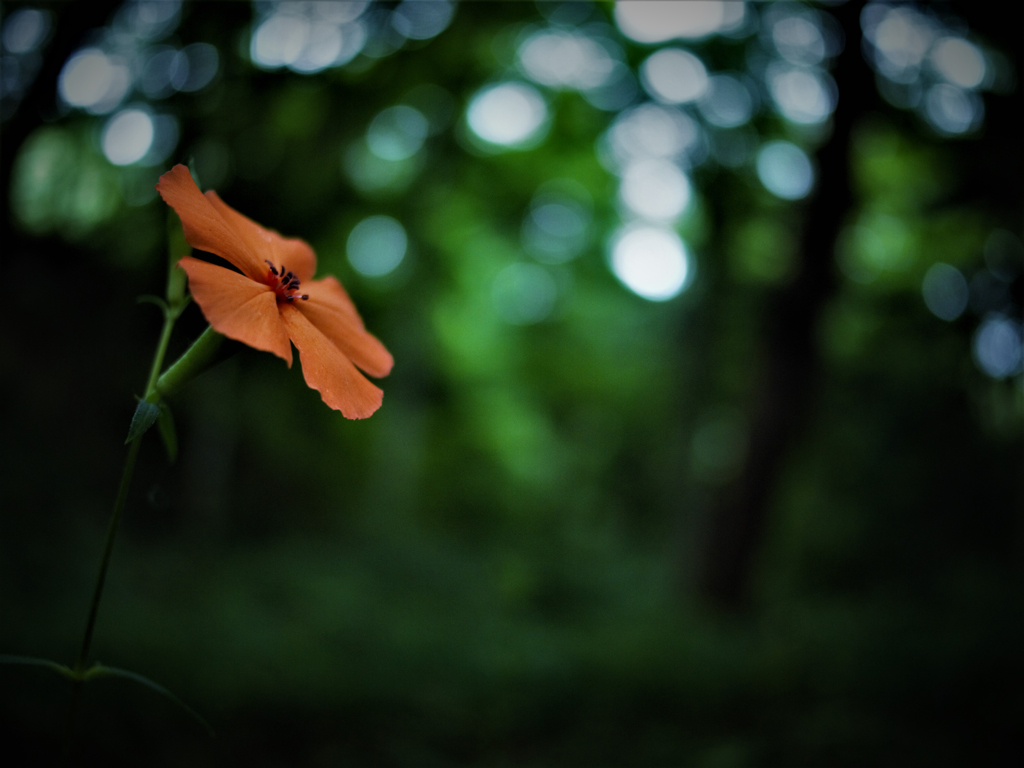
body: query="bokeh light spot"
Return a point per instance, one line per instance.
(509, 114)
(557, 226)
(945, 291)
(127, 136)
(321, 49)
(952, 110)
(959, 61)
(997, 346)
(159, 68)
(655, 189)
(146, 19)
(59, 185)
(422, 19)
(279, 40)
(618, 92)
(674, 76)
(785, 170)
(94, 81)
(353, 40)
(564, 59)
(902, 37)
(803, 96)
(656, 21)
(651, 130)
(727, 102)
(25, 29)
(373, 175)
(799, 40)
(650, 261)
(879, 243)
(376, 246)
(165, 139)
(339, 13)
(196, 67)
(524, 294)
(397, 133)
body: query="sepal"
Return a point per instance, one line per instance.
(146, 414)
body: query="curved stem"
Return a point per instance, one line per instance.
(112, 526)
(108, 547)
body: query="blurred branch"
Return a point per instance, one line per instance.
(738, 515)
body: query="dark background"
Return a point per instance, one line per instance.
(775, 520)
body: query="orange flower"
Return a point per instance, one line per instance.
(275, 299)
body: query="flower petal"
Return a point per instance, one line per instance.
(328, 371)
(293, 253)
(205, 227)
(238, 307)
(332, 312)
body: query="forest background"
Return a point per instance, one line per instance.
(749, 494)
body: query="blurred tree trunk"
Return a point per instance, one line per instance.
(737, 517)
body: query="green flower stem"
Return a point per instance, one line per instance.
(196, 359)
(158, 358)
(115, 519)
(83, 654)
(101, 577)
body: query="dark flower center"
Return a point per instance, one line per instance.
(284, 283)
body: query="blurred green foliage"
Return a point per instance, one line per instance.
(496, 568)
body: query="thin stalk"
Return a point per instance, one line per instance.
(161, 350)
(115, 520)
(108, 547)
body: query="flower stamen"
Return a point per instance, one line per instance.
(285, 283)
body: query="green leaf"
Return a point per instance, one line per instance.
(99, 670)
(165, 423)
(145, 416)
(37, 662)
